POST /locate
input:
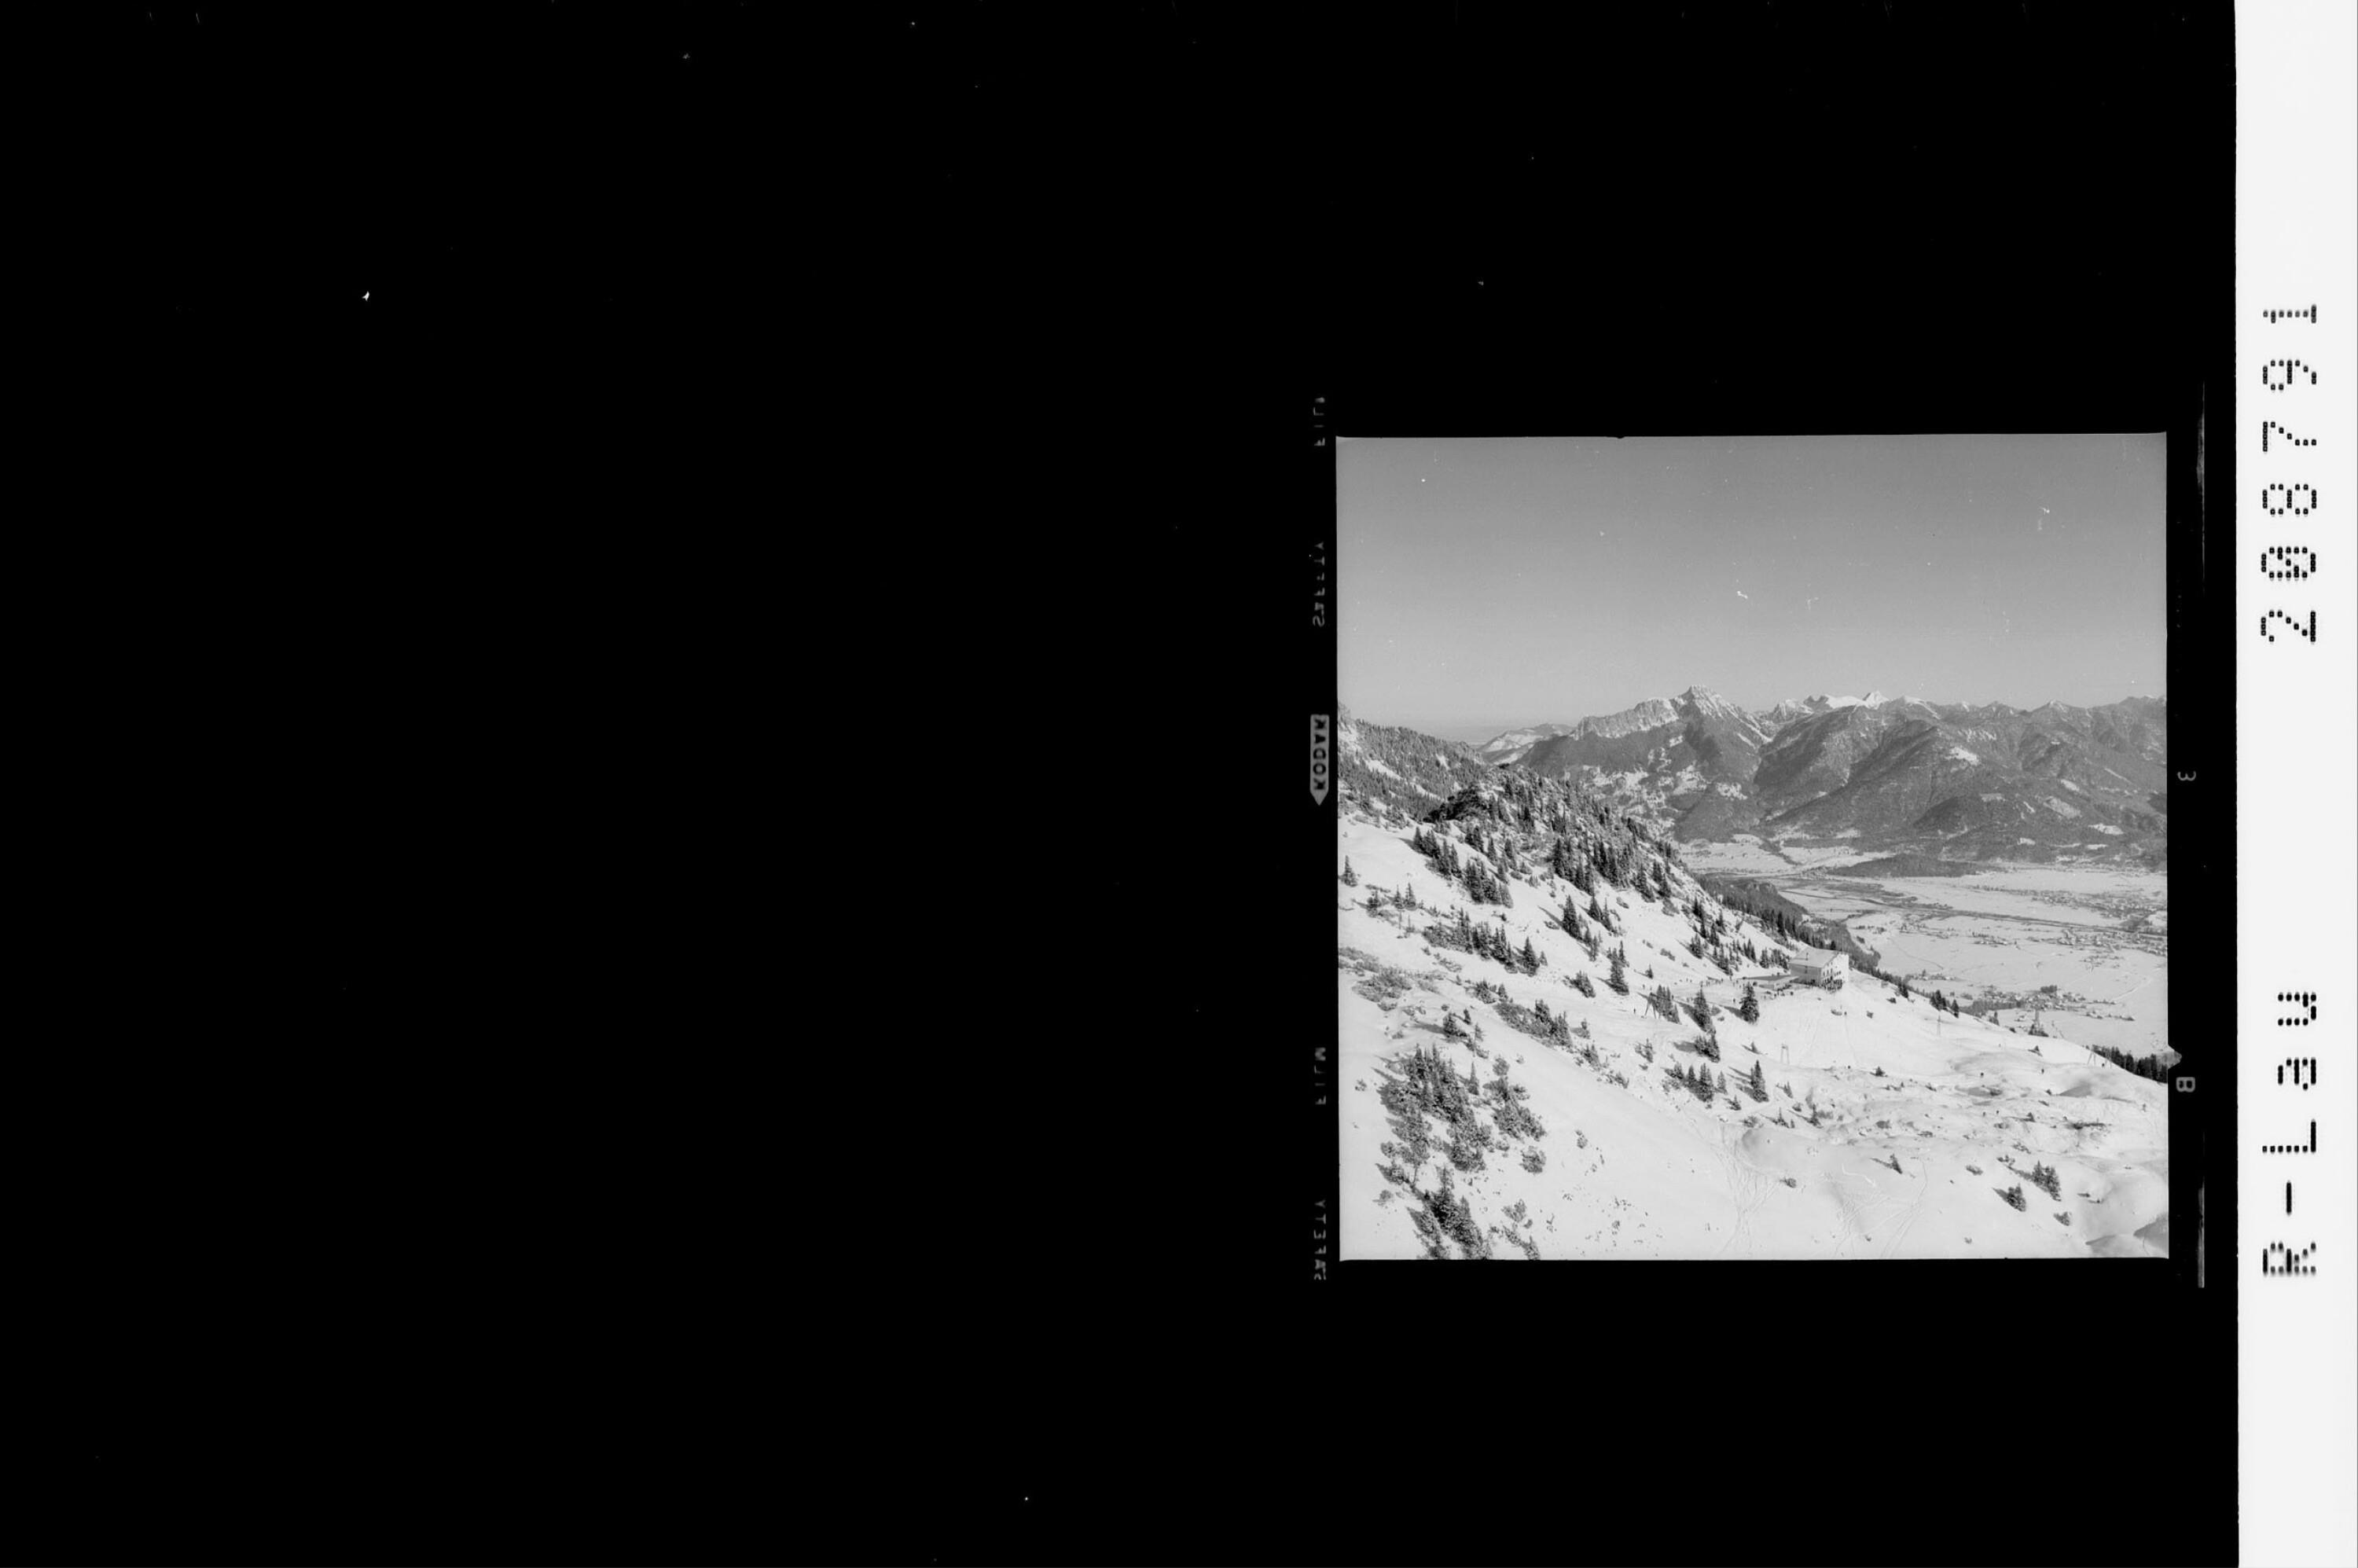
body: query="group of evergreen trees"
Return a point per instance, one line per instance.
(1480, 885)
(1511, 1110)
(1496, 944)
(1427, 1086)
(1779, 921)
(1489, 942)
(1748, 1009)
(1692, 1079)
(1587, 860)
(2046, 1176)
(1710, 940)
(2143, 1066)
(1579, 930)
(1451, 1215)
(1566, 861)
(1558, 1026)
(1756, 1083)
(1697, 1080)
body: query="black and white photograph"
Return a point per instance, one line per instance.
(1753, 847)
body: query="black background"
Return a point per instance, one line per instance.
(864, 440)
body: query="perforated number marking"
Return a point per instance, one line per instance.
(2278, 1259)
(2289, 498)
(2308, 631)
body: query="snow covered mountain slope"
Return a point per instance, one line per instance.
(1595, 1150)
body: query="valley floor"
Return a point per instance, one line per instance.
(2099, 933)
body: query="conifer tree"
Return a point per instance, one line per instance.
(1618, 978)
(1530, 957)
(1760, 1085)
(1749, 1009)
(1350, 877)
(1583, 985)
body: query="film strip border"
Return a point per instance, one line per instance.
(2296, 573)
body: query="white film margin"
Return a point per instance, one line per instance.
(2297, 764)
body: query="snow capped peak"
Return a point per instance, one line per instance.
(1650, 714)
(1514, 744)
(1872, 700)
(1703, 699)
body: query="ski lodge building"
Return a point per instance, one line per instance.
(1816, 966)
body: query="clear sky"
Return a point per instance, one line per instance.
(1482, 585)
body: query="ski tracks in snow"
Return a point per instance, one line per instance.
(1854, 1228)
(1915, 1209)
(1748, 1189)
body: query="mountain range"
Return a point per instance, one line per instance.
(1958, 778)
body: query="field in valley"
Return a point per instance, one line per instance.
(2099, 933)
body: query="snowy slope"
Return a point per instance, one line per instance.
(1643, 1169)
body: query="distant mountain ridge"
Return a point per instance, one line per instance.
(1953, 779)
